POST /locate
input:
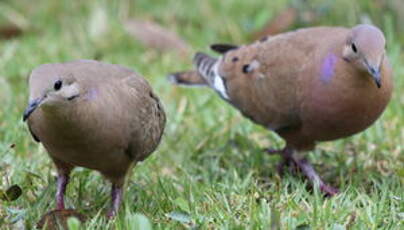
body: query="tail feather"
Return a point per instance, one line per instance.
(205, 65)
(187, 78)
(207, 73)
(208, 68)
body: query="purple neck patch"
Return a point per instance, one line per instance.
(328, 67)
(91, 94)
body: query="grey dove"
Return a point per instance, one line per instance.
(309, 85)
(94, 115)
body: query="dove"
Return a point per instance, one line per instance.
(95, 115)
(308, 86)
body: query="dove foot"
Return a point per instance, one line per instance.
(302, 165)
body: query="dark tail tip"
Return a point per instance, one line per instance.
(175, 78)
(187, 78)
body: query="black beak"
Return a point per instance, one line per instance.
(375, 72)
(33, 104)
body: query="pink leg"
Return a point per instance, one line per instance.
(62, 181)
(116, 196)
(305, 167)
(308, 170)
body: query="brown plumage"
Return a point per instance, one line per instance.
(95, 115)
(187, 78)
(310, 85)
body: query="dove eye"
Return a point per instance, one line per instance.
(353, 46)
(57, 85)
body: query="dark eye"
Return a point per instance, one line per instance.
(57, 85)
(354, 48)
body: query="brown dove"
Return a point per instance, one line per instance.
(309, 85)
(94, 115)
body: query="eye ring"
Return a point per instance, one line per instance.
(353, 46)
(58, 85)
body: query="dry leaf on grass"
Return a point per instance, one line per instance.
(284, 20)
(9, 31)
(154, 36)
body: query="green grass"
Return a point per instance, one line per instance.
(209, 171)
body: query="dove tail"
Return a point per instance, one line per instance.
(206, 74)
(187, 78)
(208, 68)
(205, 64)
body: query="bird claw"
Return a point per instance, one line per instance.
(304, 167)
(328, 190)
(111, 214)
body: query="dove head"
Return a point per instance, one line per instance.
(51, 91)
(365, 49)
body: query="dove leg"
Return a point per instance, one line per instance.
(304, 166)
(63, 170)
(62, 181)
(308, 170)
(116, 198)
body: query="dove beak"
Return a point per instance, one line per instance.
(32, 106)
(375, 73)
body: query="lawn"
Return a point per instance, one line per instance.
(209, 171)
